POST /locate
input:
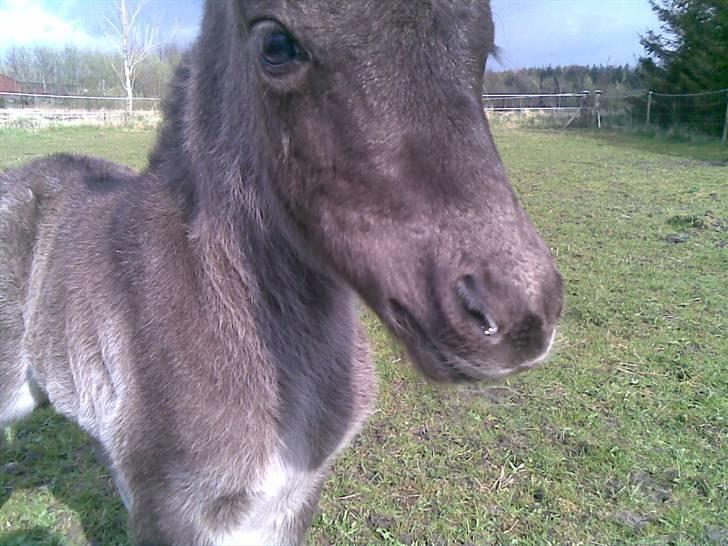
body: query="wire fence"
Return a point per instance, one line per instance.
(41, 110)
(697, 113)
(700, 113)
(22, 100)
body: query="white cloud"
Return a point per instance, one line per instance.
(28, 22)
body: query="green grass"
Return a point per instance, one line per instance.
(619, 439)
(129, 146)
(711, 150)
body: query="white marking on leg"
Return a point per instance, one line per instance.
(21, 404)
(277, 501)
(123, 488)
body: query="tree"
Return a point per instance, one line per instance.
(17, 63)
(134, 40)
(688, 57)
(690, 54)
(45, 61)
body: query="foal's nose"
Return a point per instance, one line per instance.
(503, 319)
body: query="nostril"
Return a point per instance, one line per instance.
(473, 303)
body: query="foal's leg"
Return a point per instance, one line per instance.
(119, 481)
(19, 393)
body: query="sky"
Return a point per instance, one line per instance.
(528, 32)
(563, 32)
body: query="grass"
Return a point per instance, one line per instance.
(711, 150)
(676, 142)
(129, 146)
(620, 439)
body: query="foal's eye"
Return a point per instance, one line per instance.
(279, 48)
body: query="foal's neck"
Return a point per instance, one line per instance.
(251, 258)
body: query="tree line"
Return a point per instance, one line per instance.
(620, 80)
(71, 71)
(75, 71)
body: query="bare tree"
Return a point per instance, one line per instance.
(134, 39)
(16, 62)
(45, 61)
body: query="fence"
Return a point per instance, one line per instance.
(39, 110)
(703, 113)
(706, 112)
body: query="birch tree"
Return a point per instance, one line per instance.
(134, 40)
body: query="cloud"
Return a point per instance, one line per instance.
(28, 22)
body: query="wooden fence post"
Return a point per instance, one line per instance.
(597, 107)
(585, 111)
(649, 106)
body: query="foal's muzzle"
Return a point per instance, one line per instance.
(479, 329)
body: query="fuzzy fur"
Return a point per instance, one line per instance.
(197, 319)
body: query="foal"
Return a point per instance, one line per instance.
(197, 319)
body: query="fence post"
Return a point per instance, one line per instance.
(724, 139)
(649, 106)
(597, 107)
(585, 110)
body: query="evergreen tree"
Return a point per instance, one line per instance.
(691, 53)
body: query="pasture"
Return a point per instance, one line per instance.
(619, 439)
